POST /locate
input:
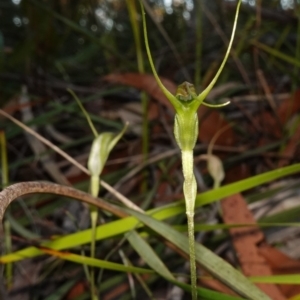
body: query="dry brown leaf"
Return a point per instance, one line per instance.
(246, 240)
(282, 264)
(145, 82)
(272, 126)
(78, 289)
(211, 121)
(290, 148)
(289, 107)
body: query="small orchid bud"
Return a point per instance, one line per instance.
(101, 147)
(215, 169)
(186, 92)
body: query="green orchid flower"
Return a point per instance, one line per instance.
(186, 103)
(101, 147)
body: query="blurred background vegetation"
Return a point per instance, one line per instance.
(48, 46)
(77, 42)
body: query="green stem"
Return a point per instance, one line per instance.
(193, 270)
(140, 63)
(94, 217)
(94, 190)
(190, 191)
(189, 185)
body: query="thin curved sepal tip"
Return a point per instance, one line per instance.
(203, 95)
(166, 92)
(215, 105)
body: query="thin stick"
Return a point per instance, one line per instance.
(16, 190)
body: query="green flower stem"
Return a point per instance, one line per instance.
(94, 218)
(193, 270)
(190, 191)
(186, 133)
(94, 190)
(189, 185)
